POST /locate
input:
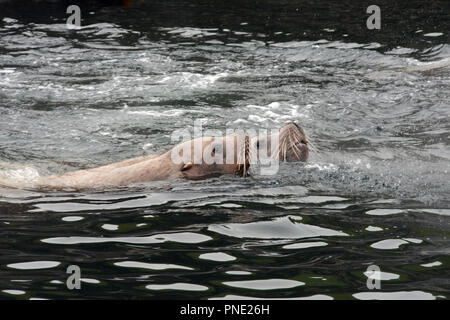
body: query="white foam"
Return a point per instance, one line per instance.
(255, 118)
(158, 114)
(8, 70)
(21, 174)
(191, 80)
(277, 112)
(188, 32)
(322, 167)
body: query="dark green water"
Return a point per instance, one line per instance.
(374, 193)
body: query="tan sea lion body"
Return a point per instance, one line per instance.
(199, 158)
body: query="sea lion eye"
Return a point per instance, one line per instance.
(187, 166)
(217, 148)
(260, 144)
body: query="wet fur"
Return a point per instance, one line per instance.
(292, 147)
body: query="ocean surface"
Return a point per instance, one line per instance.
(375, 191)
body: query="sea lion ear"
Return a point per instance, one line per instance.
(187, 166)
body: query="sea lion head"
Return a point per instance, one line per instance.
(207, 157)
(289, 144)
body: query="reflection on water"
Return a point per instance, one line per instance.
(217, 256)
(401, 295)
(151, 266)
(34, 265)
(303, 245)
(175, 237)
(375, 192)
(177, 286)
(236, 297)
(266, 284)
(311, 251)
(280, 228)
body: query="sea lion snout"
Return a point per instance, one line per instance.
(289, 144)
(293, 143)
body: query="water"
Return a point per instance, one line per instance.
(375, 192)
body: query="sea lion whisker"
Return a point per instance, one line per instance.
(312, 146)
(243, 157)
(285, 142)
(282, 149)
(296, 150)
(294, 138)
(253, 154)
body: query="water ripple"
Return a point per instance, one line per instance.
(182, 237)
(278, 228)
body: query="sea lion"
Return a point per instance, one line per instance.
(199, 158)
